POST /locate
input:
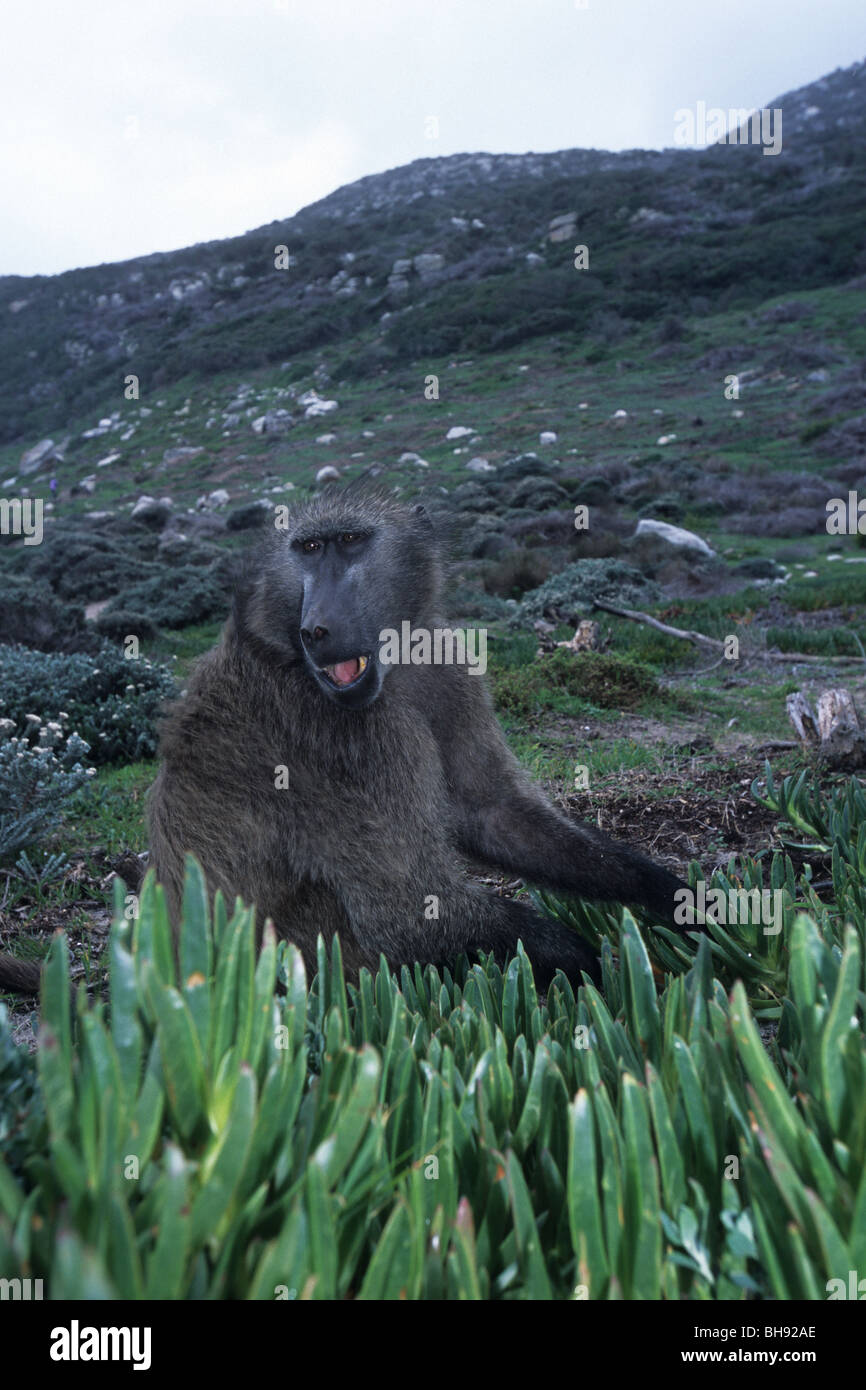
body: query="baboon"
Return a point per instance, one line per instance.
(342, 794)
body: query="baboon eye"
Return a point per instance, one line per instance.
(347, 537)
(310, 547)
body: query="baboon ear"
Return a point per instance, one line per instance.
(420, 513)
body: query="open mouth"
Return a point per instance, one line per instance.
(346, 673)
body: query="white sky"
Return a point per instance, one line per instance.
(130, 126)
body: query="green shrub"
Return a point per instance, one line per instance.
(601, 679)
(569, 594)
(445, 1137)
(40, 768)
(35, 617)
(111, 702)
(188, 596)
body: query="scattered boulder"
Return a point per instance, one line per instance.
(314, 405)
(214, 501)
(548, 437)
(459, 432)
(563, 227)
(152, 511)
(274, 422)
(42, 453)
(657, 540)
(328, 474)
(326, 439)
(429, 263)
(480, 465)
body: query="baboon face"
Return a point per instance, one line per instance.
(337, 580)
(338, 625)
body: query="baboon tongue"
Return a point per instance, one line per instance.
(345, 671)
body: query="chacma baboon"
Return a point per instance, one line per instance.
(339, 793)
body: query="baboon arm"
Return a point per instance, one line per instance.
(529, 838)
(504, 820)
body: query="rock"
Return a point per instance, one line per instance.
(86, 486)
(533, 259)
(213, 501)
(274, 422)
(398, 284)
(328, 474)
(481, 465)
(666, 439)
(820, 374)
(326, 439)
(108, 460)
(257, 513)
(410, 457)
(658, 540)
(459, 432)
(402, 267)
(548, 437)
(429, 263)
(313, 405)
(154, 512)
(563, 227)
(41, 453)
(181, 454)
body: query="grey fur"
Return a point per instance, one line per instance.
(388, 802)
(395, 785)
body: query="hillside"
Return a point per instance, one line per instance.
(676, 232)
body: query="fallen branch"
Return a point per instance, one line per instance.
(713, 643)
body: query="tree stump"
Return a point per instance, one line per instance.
(831, 730)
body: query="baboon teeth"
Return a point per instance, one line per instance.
(347, 672)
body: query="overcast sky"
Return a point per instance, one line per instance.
(130, 126)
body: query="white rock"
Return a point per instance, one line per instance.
(548, 437)
(328, 474)
(480, 465)
(619, 415)
(326, 439)
(666, 439)
(214, 500)
(459, 432)
(109, 459)
(32, 459)
(675, 536)
(584, 405)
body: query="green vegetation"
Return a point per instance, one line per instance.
(450, 1136)
(110, 702)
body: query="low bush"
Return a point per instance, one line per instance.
(112, 703)
(40, 768)
(448, 1135)
(564, 677)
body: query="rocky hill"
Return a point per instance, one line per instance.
(470, 253)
